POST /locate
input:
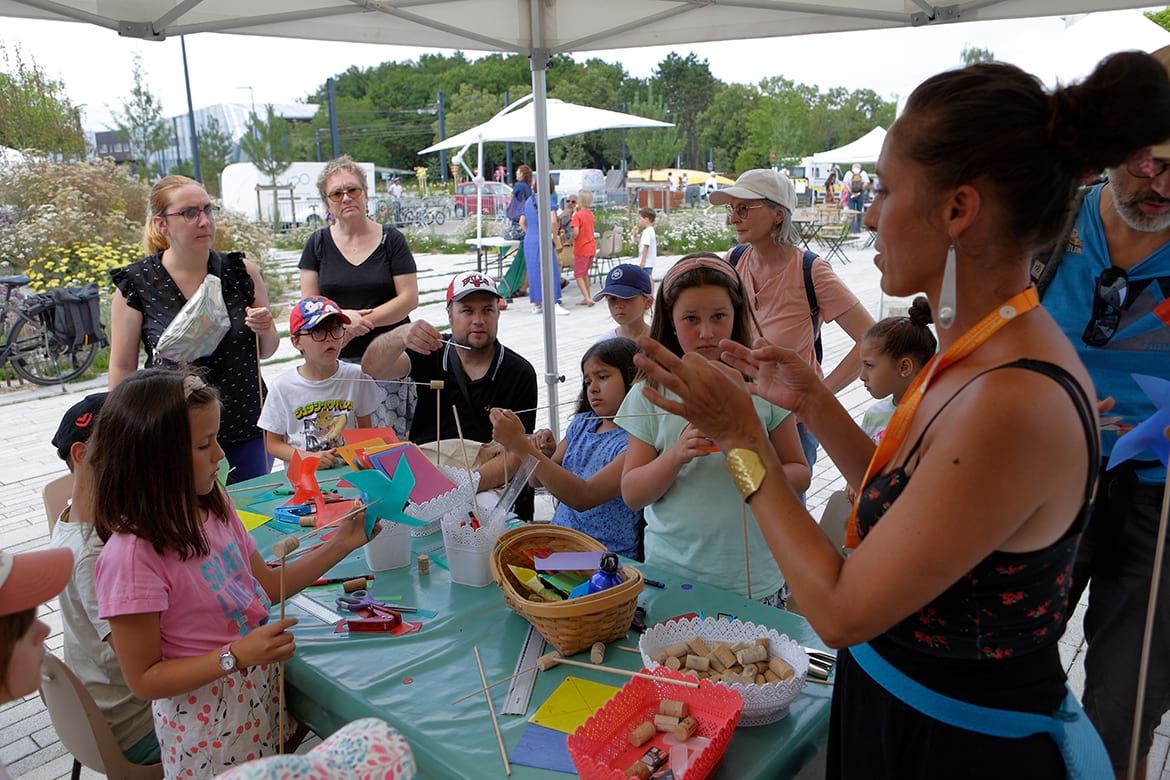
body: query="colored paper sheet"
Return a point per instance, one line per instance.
(302, 475)
(544, 749)
(363, 436)
(390, 493)
(252, 520)
(571, 704)
(430, 482)
(569, 561)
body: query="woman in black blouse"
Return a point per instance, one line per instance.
(150, 293)
(367, 269)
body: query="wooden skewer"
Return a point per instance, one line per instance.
(628, 649)
(492, 710)
(493, 685)
(467, 464)
(437, 385)
(747, 561)
(283, 548)
(346, 516)
(626, 672)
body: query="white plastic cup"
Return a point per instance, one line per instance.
(470, 565)
(390, 549)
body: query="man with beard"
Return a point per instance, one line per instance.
(478, 373)
(1110, 293)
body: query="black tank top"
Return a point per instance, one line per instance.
(1010, 604)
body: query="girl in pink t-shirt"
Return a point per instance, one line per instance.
(186, 593)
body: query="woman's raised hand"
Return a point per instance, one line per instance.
(780, 375)
(258, 319)
(713, 397)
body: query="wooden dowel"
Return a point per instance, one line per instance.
(467, 464)
(346, 516)
(493, 685)
(492, 711)
(747, 560)
(627, 673)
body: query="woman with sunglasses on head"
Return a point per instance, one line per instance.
(792, 291)
(973, 503)
(368, 270)
(151, 293)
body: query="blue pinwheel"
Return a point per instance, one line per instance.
(1150, 433)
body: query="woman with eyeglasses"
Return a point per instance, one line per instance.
(973, 504)
(151, 293)
(368, 270)
(793, 292)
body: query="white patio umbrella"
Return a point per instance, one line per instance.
(517, 123)
(538, 29)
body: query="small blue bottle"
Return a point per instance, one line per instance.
(607, 576)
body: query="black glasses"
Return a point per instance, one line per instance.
(191, 213)
(1147, 167)
(323, 332)
(1108, 306)
(352, 192)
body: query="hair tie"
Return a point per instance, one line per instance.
(192, 384)
(692, 263)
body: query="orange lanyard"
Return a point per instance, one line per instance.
(904, 413)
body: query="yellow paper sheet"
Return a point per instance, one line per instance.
(252, 520)
(572, 703)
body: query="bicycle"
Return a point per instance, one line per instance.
(31, 347)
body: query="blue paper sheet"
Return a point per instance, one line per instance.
(544, 749)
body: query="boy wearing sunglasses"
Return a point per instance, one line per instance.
(307, 409)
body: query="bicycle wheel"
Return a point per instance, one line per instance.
(38, 356)
(440, 216)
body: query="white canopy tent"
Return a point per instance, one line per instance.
(864, 150)
(536, 28)
(517, 123)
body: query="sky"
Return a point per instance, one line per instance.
(95, 64)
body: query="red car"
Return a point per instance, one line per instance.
(495, 198)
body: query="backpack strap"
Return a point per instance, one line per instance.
(1046, 260)
(814, 309)
(737, 254)
(319, 243)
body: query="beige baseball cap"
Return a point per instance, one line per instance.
(1162, 150)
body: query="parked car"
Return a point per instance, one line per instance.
(570, 181)
(495, 198)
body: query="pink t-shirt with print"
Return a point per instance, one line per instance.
(781, 304)
(205, 602)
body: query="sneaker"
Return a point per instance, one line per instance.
(561, 310)
(536, 308)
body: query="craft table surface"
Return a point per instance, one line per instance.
(411, 680)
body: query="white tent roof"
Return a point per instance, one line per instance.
(1073, 53)
(563, 119)
(864, 150)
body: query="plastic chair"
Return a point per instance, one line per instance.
(609, 249)
(83, 729)
(56, 494)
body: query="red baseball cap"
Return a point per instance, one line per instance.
(465, 284)
(310, 312)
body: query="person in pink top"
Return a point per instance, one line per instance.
(584, 245)
(180, 581)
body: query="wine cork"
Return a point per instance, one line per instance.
(349, 586)
(659, 657)
(638, 770)
(762, 641)
(285, 546)
(770, 676)
(597, 652)
(665, 722)
(678, 649)
(677, 709)
(436, 384)
(698, 646)
(673, 663)
(714, 664)
(548, 661)
(752, 654)
(641, 735)
(697, 662)
(307, 521)
(760, 679)
(750, 670)
(424, 564)
(781, 668)
(725, 656)
(685, 729)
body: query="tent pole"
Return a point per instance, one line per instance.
(549, 284)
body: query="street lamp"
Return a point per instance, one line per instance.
(253, 94)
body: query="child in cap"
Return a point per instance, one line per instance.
(88, 652)
(307, 409)
(26, 581)
(627, 291)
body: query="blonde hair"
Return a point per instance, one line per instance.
(160, 197)
(344, 163)
(584, 199)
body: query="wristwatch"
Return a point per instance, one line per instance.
(746, 469)
(227, 659)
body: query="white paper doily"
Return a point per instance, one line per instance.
(457, 499)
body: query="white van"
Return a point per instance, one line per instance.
(570, 181)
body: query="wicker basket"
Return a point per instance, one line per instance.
(569, 626)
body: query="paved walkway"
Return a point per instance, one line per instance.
(28, 743)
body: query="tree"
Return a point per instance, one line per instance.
(653, 147)
(35, 113)
(266, 142)
(723, 130)
(973, 54)
(215, 149)
(1160, 18)
(687, 88)
(140, 121)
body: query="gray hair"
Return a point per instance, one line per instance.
(786, 233)
(337, 165)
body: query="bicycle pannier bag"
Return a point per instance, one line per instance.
(77, 316)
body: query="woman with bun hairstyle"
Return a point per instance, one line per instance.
(949, 611)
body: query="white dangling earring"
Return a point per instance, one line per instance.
(946, 295)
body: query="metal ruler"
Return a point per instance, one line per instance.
(520, 689)
(314, 608)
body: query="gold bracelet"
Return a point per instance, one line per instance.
(746, 469)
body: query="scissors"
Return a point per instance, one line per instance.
(361, 600)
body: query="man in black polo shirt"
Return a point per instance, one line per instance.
(478, 373)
